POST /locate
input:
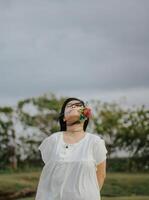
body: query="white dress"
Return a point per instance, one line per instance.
(70, 173)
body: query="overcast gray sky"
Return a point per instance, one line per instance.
(83, 48)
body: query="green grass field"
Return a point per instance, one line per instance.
(117, 186)
(122, 184)
(110, 198)
(123, 198)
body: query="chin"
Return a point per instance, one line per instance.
(73, 117)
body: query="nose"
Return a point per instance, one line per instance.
(73, 106)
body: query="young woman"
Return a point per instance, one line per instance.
(75, 160)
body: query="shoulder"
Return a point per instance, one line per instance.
(53, 136)
(96, 137)
(49, 140)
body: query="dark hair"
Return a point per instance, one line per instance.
(61, 115)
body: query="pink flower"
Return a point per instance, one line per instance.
(87, 112)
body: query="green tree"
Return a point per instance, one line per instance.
(7, 138)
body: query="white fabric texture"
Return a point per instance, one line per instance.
(70, 173)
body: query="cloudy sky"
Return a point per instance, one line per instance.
(83, 48)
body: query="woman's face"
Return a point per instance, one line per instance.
(71, 112)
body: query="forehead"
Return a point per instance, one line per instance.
(73, 101)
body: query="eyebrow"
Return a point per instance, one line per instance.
(73, 103)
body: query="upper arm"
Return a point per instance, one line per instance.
(46, 147)
(101, 169)
(99, 151)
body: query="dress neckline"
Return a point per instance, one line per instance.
(76, 143)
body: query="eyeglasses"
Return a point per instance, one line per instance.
(76, 104)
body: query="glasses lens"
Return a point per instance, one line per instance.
(76, 104)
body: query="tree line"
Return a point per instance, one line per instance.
(37, 117)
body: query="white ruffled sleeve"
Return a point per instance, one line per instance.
(99, 151)
(46, 148)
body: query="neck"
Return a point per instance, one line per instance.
(75, 128)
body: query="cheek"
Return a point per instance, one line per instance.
(71, 112)
(66, 111)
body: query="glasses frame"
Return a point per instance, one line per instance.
(78, 104)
